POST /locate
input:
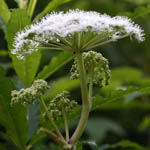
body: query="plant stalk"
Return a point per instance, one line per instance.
(85, 103)
(66, 126)
(31, 7)
(51, 119)
(90, 93)
(53, 136)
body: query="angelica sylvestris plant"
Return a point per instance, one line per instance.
(79, 32)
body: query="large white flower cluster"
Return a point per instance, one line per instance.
(65, 25)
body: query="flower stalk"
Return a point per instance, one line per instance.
(85, 103)
(66, 126)
(53, 136)
(51, 119)
(90, 90)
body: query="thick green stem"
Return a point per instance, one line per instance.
(85, 103)
(90, 92)
(51, 119)
(31, 7)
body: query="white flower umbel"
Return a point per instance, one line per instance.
(74, 30)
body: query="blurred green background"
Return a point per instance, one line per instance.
(126, 116)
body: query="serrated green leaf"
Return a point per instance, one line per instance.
(51, 6)
(25, 69)
(12, 118)
(56, 63)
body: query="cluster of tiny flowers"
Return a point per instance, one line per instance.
(61, 104)
(28, 95)
(64, 25)
(96, 68)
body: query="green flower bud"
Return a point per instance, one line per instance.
(28, 95)
(61, 104)
(96, 68)
(40, 86)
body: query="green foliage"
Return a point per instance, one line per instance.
(56, 63)
(3, 53)
(31, 7)
(128, 145)
(113, 98)
(138, 2)
(51, 6)
(105, 125)
(145, 124)
(4, 15)
(138, 12)
(119, 99)
(13, 119)
(63, 84)
(25, 69)
(4, 11)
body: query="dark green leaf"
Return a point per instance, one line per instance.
(145, 124)
(79, 146)
(92, 144)
(25, 69)
(55, 64)
(105, 125)
(128, 145)
(61, 85)
(12, 118)
(139, 12)
(117, 99)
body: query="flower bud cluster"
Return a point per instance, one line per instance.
(96, 68)
(28, 95)
(61, 104)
